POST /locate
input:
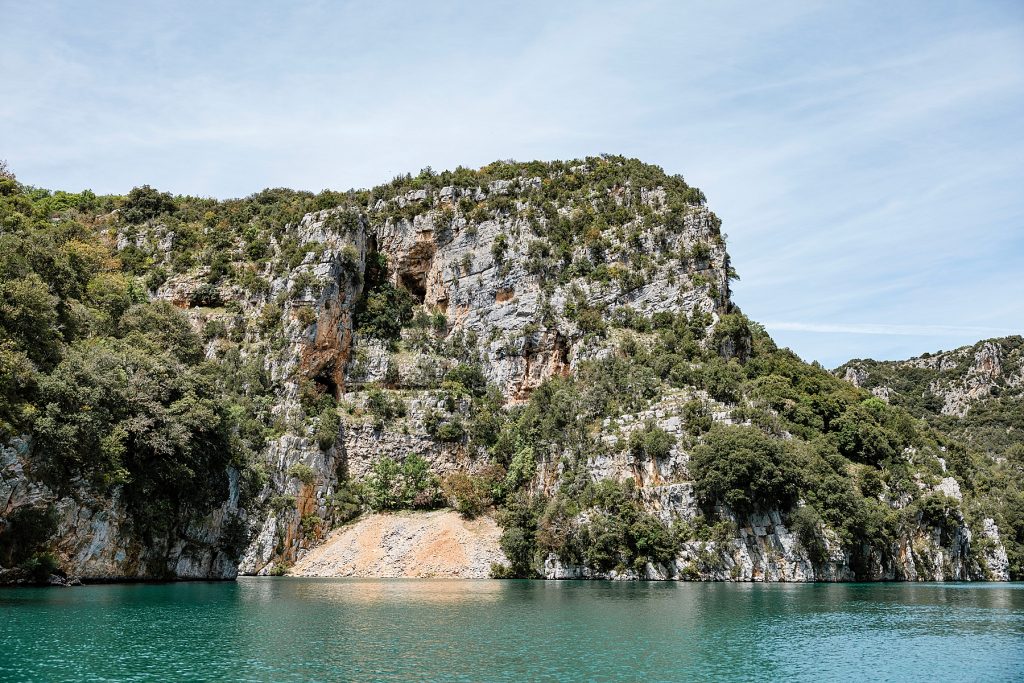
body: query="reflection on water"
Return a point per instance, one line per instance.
(376, 591)
(395, 629)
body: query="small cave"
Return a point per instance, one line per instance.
(416, 283)
(561, 355)
(413, 268)
(325, 382)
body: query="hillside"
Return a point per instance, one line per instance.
(192, 388)
(975, 396)
(975, 392)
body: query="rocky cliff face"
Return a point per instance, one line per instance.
(96, 539)
(947, 382)
(356, 317)
(491, 279)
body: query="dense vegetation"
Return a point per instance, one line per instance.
(854, 462)
(113, 389)
(985, 446)
(119, 392)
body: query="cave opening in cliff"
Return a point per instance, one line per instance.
(324, 381)
(413, 269)
(416, 283)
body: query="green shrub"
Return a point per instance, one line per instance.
(346, 503)
(619, 534)
(206, 295)
(518, 540)
(470, 377)
(450, 431)
(327, 426)
(470, 495)
(745, 469)
(145, 203)
(282, 503)
(305, 315)
(281, 569)
(383, 309)
(394, 486)
(872, 432)
(40, 566)
(696, 417)
(384, 406)
(499, 247)
(303, 473)
(651, 441)
(805, 522)
(310, 525)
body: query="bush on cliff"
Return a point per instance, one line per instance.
(745, 469)
(406, 485)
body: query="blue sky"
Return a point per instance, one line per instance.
(867, 159)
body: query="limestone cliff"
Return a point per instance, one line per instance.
(947, 382)
(359, 326)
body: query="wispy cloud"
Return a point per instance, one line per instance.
(889, 330)
(865, 159)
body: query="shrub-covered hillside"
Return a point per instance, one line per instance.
(210, 386)
(975, 396)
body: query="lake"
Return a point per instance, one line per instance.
(289, 629)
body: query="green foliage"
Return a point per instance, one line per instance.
(25, 534)
(282, 503)
(346, 503)
(310, 525)
(469, 377)
(806, 523)
(697, 417)
(520, 470)
(40, 566)
(395, 486)
(498, 247)
(383, 312)
(518, 520)
(383, 309)
(205, 295)
(128, 411)
(651, 442)
(618, 534)
(732, 337)
(303, 473)
(745, 469)
(145, 203)
(328, 422)
(384, 406)
(447, 429)
(450, 431)
(471, 494)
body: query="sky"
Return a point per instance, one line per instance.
(866, 159)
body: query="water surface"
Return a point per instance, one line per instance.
(264, 629)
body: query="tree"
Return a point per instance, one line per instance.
(28, 318)
(145, 203)
(745, 469)
(651, 441)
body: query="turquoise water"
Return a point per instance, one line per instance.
(347, 629)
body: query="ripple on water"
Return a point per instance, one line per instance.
(345, 629)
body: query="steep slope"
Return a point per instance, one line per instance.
(975, 396)
(428, 544)
(976, 392)
(551, 343)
